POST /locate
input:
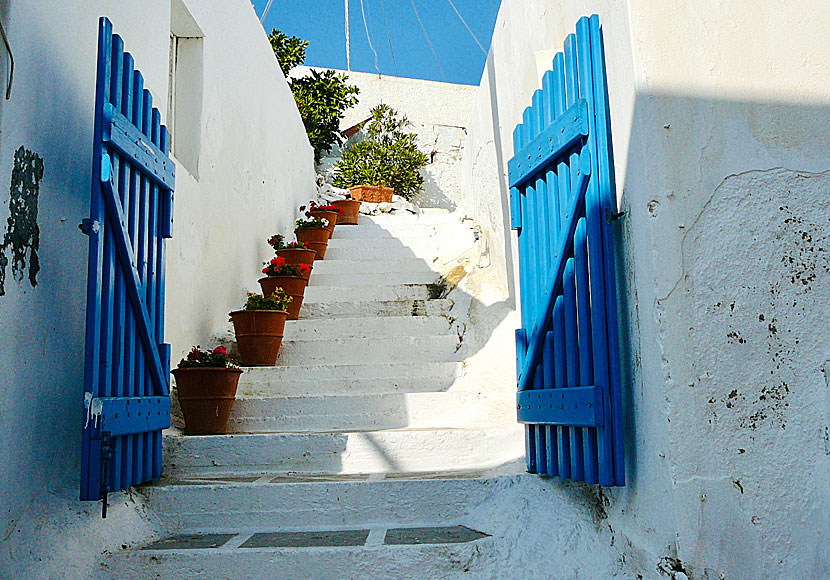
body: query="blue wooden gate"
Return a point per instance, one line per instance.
(126, 383)
(563, 202)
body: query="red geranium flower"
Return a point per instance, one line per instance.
(220, 350)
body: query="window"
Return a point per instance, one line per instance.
(184, 107)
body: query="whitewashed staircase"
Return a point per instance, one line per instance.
(357, 431)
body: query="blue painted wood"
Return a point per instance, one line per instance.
(127, 365)
(550, 144)
(562, 187)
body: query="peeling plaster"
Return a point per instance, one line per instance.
(22, 232)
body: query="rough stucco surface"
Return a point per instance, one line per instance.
(439, 113)
(718, 120)
(744, 383)
(243, 194)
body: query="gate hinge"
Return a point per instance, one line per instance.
(611, 217)
(89, 226)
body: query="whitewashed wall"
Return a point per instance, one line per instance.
(720, 120)
(439, 113)
(255, 168)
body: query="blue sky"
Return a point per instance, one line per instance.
(322, 23)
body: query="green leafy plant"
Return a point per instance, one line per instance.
(277, 241)
(322, 98)
(279, 300)
(289, 50)
(216, 358)
(314, 222)
(388, 157)
(278, 267)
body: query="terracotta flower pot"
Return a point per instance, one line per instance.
(259, 335)
(206, 396)
(315, 238)
(350, 209)
(295, 257)
(293, 286)
(330, 216)
(372, 193)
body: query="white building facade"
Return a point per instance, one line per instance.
(243, 167)
(720, 116)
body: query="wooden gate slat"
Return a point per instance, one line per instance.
(127, 367)
(561, 180)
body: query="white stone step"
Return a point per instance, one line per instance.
(417, 562)
(391, 326)
(375, 308)
(380, 277)
(331, 266)
(317, 294)
(314, 380)
(373, 252)
(419, 242)
(367, 351)
(398, 450)
(302, 503)
(361, 412)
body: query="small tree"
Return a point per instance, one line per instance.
(290, 50)
(389, 156)
(322, 97)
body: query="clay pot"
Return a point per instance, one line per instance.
(206, 396)
(259, 335)
(315, 238)
(330, 216)
(293, 286)
(372, 193)
(350, 210)
(296, 257)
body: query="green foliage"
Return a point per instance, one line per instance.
(289, 50)
(388, 157)
(322, 97)
(314, 222)
(216, 358)
(279, 300)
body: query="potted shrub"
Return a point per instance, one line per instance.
(292, 279)
(387, 161)
(259, 327)
(350, 209)
(314, 234)
(295, 253)
(327, 212)
(206, 384)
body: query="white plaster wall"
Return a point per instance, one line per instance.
(720, 120)
(256, 167)
(439, 113)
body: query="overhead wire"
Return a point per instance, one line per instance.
(265, 12)
(468, 27)
(388, 37)
(428, 40)
(366, 27)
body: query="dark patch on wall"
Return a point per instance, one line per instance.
(22, 237)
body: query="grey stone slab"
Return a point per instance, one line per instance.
(191, 542)
(318, 477)
(434, 535)
(327, 539)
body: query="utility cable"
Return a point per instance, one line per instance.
(366, 27)
(428, 40)
(389, 38)
(467, 26)
(11, 62)
(265, 12)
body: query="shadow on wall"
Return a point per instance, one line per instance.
(432, 195)
(721, 253)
